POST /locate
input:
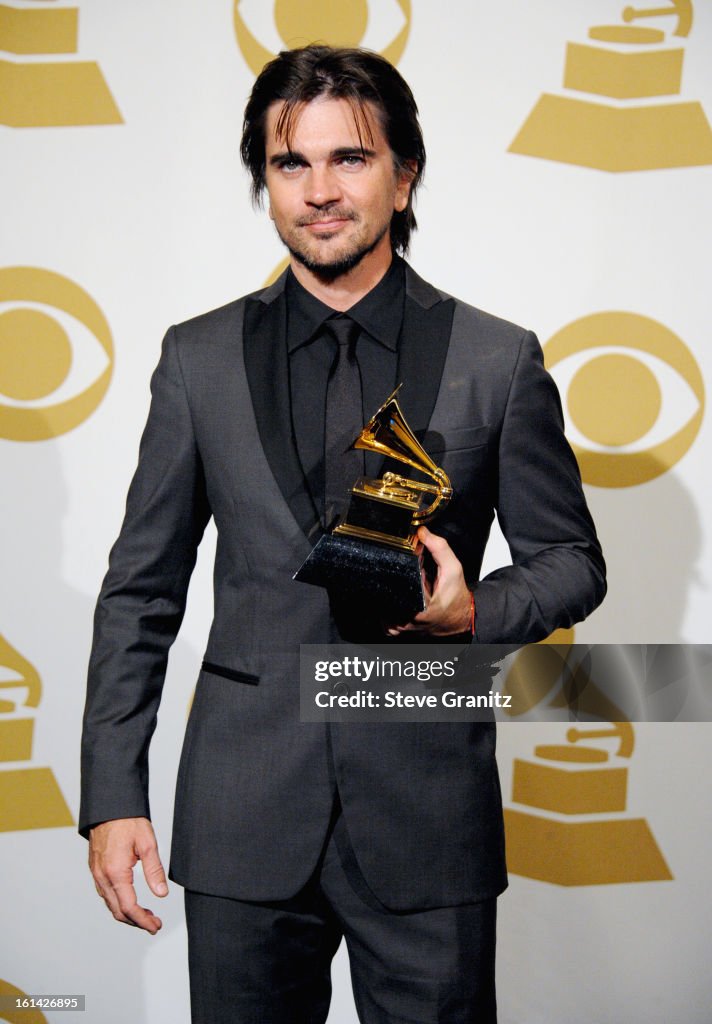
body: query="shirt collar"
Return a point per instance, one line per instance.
(379, 312)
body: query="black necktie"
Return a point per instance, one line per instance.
(344, 418)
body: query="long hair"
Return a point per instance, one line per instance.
(358, 76)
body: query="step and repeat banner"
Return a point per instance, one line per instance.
(568, 189)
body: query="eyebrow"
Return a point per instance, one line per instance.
(335, 154)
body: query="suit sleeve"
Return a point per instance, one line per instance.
(558, 573)
(141, 604)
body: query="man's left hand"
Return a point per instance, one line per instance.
(448, 602)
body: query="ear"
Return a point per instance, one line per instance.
(269, 211)
(405, 177)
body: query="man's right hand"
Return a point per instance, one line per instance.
(114, 848)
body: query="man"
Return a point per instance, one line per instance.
(288, 835)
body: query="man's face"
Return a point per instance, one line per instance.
(330, 199)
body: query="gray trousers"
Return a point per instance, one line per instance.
(269, 963)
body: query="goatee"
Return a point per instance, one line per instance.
(329, 271)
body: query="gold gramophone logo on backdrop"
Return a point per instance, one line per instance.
(29, 796)
(631, 64)
(261, 33)
(39, 312)
(21, 1016)
(49, 93)
(634, 396)
(569, 825)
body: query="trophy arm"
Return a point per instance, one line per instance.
(442, 490)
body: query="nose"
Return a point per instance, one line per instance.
(322, 186)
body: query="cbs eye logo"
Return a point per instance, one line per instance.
(633, 393)
(261, 33)
(39, 312)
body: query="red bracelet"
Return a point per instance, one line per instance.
(472, 612)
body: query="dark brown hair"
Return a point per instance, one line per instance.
(359, 76)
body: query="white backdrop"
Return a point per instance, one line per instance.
(126, 182)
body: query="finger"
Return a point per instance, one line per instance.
(120, 898)
(406, 628)
(427, 588)
(131, 912)
(152, 868)
(107, 893)
(440, 550)
(115, 877)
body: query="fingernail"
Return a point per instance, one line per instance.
(162, 889)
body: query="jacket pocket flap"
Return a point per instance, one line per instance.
(230, 673)
(459, 439)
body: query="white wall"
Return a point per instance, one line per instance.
(150, 217)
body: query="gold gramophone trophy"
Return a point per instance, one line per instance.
(374, 549)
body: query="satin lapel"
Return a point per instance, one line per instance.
(427, 324)
(266, 366)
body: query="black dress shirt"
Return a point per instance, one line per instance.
(379, 314)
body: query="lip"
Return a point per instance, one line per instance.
(327, 225)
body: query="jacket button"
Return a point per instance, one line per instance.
(341, 688)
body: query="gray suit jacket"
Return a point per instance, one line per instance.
(256, 786)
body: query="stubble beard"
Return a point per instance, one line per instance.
(329, 271)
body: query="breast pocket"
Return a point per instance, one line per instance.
(463, 454)
(458, 440)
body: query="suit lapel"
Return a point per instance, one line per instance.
(427, 323)
(266, 366)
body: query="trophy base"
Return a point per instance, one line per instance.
(362, 533)
(389, 580)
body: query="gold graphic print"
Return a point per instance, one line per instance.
(298, 22)
(568, 823)
(36, 353)
(29, 797)
(29, 1016)
(615, 398)
(42, 94)
(625, 62)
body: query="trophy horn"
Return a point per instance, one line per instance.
(388, 434)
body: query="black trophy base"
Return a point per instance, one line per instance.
(389, 580)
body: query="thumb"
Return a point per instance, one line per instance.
(153, 871)
(437, 546)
